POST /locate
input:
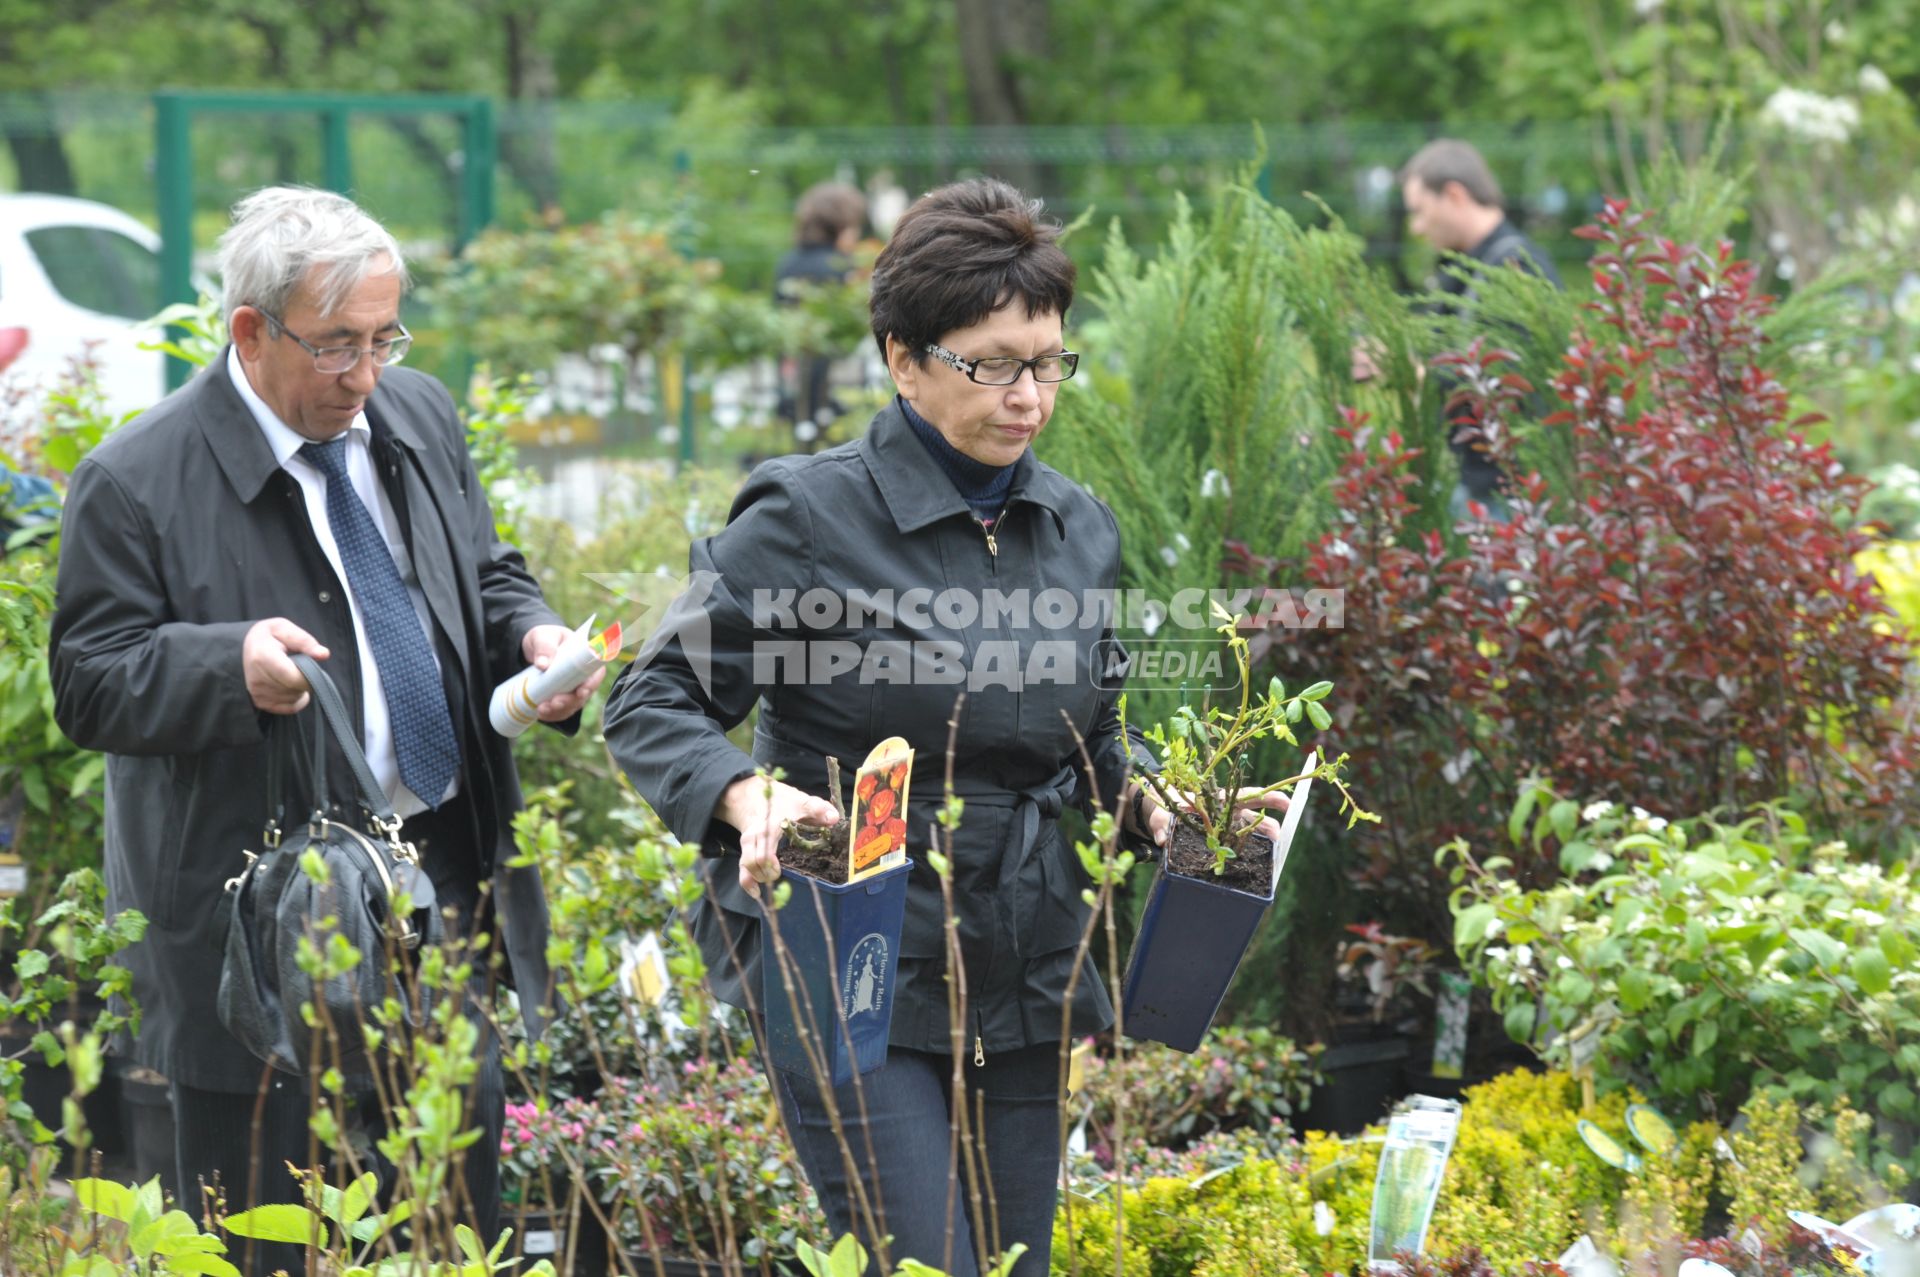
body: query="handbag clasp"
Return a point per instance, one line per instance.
(233, 883)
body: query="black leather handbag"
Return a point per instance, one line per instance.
(280, 904)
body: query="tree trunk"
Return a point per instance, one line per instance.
(526, 143)
(40, 156)
(999, 41)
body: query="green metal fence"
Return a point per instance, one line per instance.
(410, 160)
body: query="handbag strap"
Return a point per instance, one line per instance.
(332, 719)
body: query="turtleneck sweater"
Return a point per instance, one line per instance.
(984, 487)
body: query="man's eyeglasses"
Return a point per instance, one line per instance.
(334, 360)
(1004, 370)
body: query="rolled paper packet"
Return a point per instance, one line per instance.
(516, 702)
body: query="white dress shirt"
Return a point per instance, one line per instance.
(286, 442)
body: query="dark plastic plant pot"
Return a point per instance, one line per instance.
(541, 1233)
(1192, 936)
(146, 1105)
(641, 1263)
(1359, 1083)
(842, 972)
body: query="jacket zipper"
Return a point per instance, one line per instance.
(979, 1041)
(993, 546)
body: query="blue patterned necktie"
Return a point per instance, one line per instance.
(422, 725)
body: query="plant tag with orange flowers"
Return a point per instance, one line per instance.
(879, 812)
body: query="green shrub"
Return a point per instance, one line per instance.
(1710, 959)
(1240, 1078)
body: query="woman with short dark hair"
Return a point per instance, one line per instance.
(942, 497)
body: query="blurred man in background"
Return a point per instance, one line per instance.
(1455, 203)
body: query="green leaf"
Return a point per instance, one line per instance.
(1565, 818)
(1519, 1021)
(1899, 949)
(1705, 1034)
(1871, 969)
(1522, 813)
(1636, 989)
(1318, 692)
(104, 1197)
(1470, 927)
(34, 780)
(374, 1226)
(1317, 714)
(202, 1264)
(278, 1223)
(1575, 988)
(31, 964)
(358, 1197)
(1827, 951)
(1696, 945)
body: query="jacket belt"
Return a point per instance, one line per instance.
(1021, 894)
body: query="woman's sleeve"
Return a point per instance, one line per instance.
(695, 678)
(1115, 756)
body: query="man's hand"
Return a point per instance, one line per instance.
(760, 809)
(273, 682)
(541, 642)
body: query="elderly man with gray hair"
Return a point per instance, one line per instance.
(303, 494)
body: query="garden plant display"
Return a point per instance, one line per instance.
(1206, 759)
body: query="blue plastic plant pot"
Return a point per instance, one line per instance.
(1192, 936)
(843, 954)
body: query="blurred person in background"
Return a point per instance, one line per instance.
(1455, 203)
(827, 225)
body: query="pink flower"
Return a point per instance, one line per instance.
(506, 1147)
(526, 1137)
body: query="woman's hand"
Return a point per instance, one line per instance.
(760, 809)
(1160, 820)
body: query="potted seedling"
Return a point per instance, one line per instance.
(828, 981)
(1216, 876)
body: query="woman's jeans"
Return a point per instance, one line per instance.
(902, 1144)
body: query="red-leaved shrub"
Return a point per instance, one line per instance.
(1682, 631)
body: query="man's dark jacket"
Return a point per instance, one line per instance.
(1506, 245)
(874, 514)
(180, 532)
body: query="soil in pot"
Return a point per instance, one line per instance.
(826, 861)
(1251, 871)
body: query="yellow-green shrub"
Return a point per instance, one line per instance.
(1521, 1185)
(1895, 568)
(1668, 1199)
(1767, 1184)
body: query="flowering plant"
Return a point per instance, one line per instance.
(703, 1169)
(1705, 959)
(534, 1172)
(698, 1166)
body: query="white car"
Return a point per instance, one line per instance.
(75, 273)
